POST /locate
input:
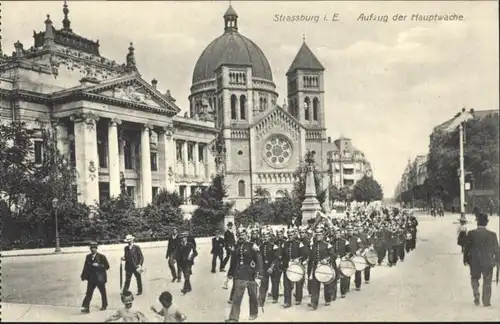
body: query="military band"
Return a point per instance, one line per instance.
(325, 254)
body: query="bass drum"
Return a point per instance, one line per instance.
(325, 273)
(371, 257)
(295, 272)
(359, 262)
(347, 268)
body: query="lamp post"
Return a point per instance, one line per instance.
(55, 203)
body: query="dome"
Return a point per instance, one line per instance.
(231, 48)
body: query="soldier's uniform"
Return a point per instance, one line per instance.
(402, 241)
(341, 249)
(246, 266)
(321, 251)
(355, 247)
(293, 249)
(307, 240)
(367, 242)
(271, 254)
(380, 243)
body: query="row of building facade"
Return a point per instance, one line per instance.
(112, 125)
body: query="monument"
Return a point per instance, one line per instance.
(310, 205)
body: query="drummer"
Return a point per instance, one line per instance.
(355, 248)
(320, 252)
(293, 252)
(340, 248)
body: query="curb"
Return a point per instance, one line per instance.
(103, 248)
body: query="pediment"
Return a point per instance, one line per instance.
(133, 90)
(278, 118)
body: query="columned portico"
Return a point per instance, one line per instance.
(62, 139)
(195, 159)
(114, 158)
(86, 157)
(146, 181)
(185, 157)
(166, 152)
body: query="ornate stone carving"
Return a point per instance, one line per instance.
(54, 64)
(170, 173)
(87, 117)
(115, 122)
(92, 170)
(277, 151)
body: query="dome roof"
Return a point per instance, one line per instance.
(231, 48)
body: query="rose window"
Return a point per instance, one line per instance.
(277, 151)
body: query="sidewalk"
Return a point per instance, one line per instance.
(33, 313)
(85, 249)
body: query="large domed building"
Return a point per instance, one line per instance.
(117, 129)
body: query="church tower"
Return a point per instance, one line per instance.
(305, 89)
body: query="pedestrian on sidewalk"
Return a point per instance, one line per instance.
(134, 259)
(482, 255)
(128, 313)
(94, 272)
(170, 313)
(217, 251)
(185, 259)
(173, 243)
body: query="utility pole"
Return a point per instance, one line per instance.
(462, 171)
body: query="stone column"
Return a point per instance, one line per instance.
(185, 157)
(167, 158)
(195, 159)
(62, 142)
(113, 158)
(209, 163)
(87, 166)
(146, 182)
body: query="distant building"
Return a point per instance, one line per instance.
(348, 164)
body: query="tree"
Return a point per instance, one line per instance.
(209, 216)
(367, 189)
(285, 209)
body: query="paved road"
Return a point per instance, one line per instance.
(431, 285)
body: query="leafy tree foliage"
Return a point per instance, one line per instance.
(481, 158)
(209, 216)
(367, 189)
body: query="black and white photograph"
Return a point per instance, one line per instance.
(249, 161)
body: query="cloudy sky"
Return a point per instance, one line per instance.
(387, 83)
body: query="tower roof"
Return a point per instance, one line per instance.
(305, 59)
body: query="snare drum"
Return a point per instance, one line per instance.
(324, 273)
(371, 257)
(295, 272)
(347, 268)
(359, 262)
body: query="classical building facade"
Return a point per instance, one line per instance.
(112, 124)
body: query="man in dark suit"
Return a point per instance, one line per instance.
(173, 244)
(133, 264)
(94, 271)
(186, 252)
(217, 251)
(229, 242)
(482, 255)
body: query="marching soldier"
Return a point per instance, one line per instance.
(186, 252)
(402, 240)
(217, 251)
(340, 248)
(255, 236)
(320, 252)
(482, 255)
(307, 240)
(368, 244)
(229, 242)
(380, 242)
(355, 247)
(246, 267)
(270, 253)
(293, 251)
(393, 244)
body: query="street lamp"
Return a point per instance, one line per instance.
(55, 204)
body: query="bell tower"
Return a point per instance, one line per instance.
(305, 89)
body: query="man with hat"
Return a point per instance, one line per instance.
(185, 259)
(321, 252)
(94, 271)
(173, 243)
(482, 255)
(229, 242)
(134, 259)
(217, 251)
(270, 253)
(294, 251)
(245, 268)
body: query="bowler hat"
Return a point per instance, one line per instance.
(93, 244)
(129, 238)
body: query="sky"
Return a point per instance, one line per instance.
(387, 84)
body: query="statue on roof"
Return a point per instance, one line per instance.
(131, 66)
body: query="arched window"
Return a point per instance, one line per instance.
(241, 188)
(265, 103)
(280, 194)
(267, 195)
(261, 104)
(233, 107)
(243, 101)
(307, 104)
(315, 109)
